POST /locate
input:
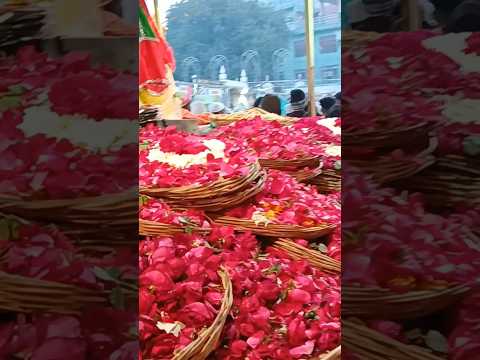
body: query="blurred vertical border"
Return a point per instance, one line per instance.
(411, 180)
(68, 179)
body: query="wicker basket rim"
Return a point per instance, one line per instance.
(248, 222)
(387, 293)
(380, 338)
(326, 263)
(255, 167)
(78, 203)
(385, 132)
(205, 343)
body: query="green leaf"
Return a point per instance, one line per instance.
(16, 89)
(323, 248)
(144, 199)
(133, 331)
(274, 269)
(4, 230)
(188, 230)
(8, 229)
(114, 273)
(471, 145)
(311, 315)
(14, 228)
(436, 341)
(105, 275)
(117, 298)
(144, 145)
(9, 102)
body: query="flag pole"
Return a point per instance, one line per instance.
(157, 14)
(310, 46)
(411, 15)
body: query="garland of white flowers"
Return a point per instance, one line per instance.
(182, 161)
(329, 123)
(107, 134)
(453, 46)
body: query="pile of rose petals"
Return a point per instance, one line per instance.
(286, 201)
(158, 211)
(235, 162)
(406, 241)
(46, 166)
(315, 129)
(180, 292)
(45, 253)
(283, 308)
(98, 334)
(72, 83)
(410, 242)
(464, 340)
(270, 139)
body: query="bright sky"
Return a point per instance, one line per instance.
(163, 5)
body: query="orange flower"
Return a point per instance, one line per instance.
(308, 223)
(270, 214)
(405, 282)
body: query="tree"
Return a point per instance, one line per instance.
(206, 28)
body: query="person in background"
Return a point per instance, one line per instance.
(198, 107)
(385, 15)
(371, 15)
(465, 18)
(326, 103)
(330, 107)
(216, 108)
(257, 102)
(297, 106)
(271, 103)
(334, 111)
(338, 105)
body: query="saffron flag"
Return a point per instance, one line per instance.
(156, 56)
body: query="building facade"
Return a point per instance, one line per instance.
(291, 62)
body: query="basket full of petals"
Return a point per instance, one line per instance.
(419, 280)
(281, 310)
(452, 181)
(184, 308)
(157, 218)
(277, 146)
(398, 164)
(191, 171)
(69, 154)
(285, 209)
(33, 279)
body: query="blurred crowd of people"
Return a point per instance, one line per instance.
(298, 105)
